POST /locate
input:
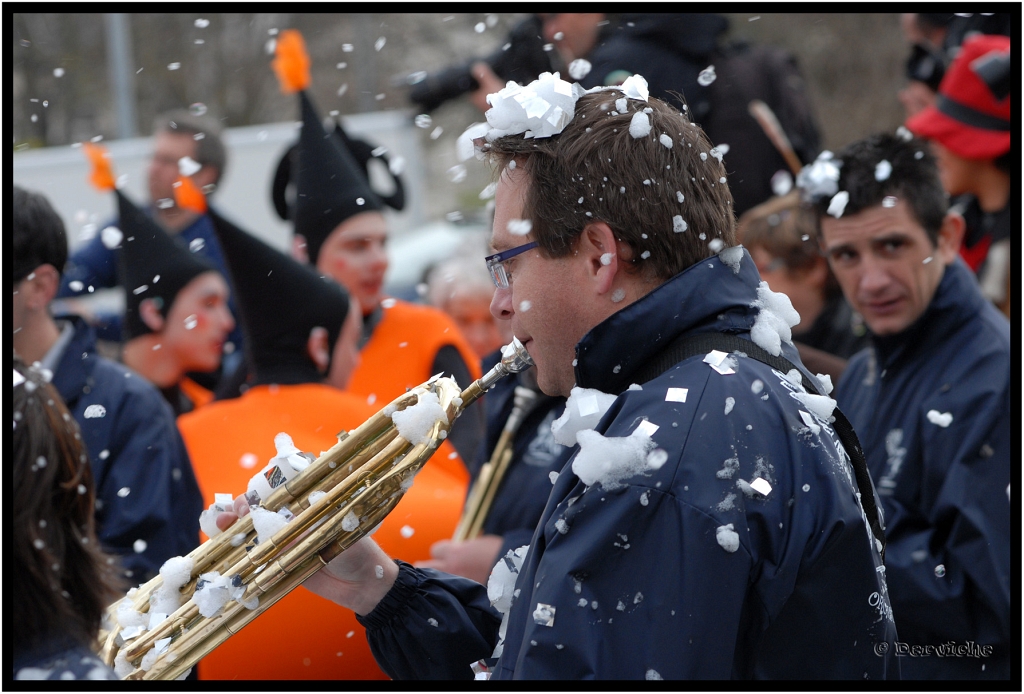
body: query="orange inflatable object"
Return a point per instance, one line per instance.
(291, 61)
(102, 175)
(305, 636)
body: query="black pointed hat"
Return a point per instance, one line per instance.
(152, 265)
(363, 152)
(330, 185)
(280, 301)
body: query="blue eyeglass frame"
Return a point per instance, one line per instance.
(495, 263)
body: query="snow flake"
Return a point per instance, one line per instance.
(652, 674)
(942, 419)
(606, 259)
(680, 197)
(618, 295)
(883, 170)
(188, 166)
(196, 245)
(665, 140)
(733, 257)
(719, 151)
(782, 182)
(729, 404)
(775, 319)
(731, 465)
(608, 460)
(139, 546)
(678, 224)
(407, 531)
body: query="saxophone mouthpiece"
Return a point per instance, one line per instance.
(514, 357)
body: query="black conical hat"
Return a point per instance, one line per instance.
(279, 300)
(152, 265)
(330, 184)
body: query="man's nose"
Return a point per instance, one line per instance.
(501, 303)
(874, 277)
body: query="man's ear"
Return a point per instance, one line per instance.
(42, 288)
(299, 250)
(151, 316)
(602, 253)
(951, 235)
(316, 348)
(205, 176)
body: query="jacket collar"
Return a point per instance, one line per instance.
(72, 372)
(706, 297)
(957, 300)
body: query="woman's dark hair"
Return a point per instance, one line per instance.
(62, 581)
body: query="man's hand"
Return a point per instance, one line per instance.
(473, 559)
(489, 83)
(358, 578)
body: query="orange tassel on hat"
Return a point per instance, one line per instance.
(102, 176)
(291, 62)
(188, 196)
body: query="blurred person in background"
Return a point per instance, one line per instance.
(177, 318)
(461, 287)
(147, 499)
(970, 129)
(61, 582)
(184, 144)
(341, 229)
(303, 333)
(930, 402)
(781, 236)
(686, 54)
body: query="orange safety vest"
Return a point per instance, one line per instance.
(400, 353)
(305, 636)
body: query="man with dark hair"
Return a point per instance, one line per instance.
(930, 400)
(184, 144)
(147, 500)
(707, 525)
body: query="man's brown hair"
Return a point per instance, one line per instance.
(595, 170)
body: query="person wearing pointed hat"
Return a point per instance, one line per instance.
(176, 318)
(970, 128)
(302, 330)
(184, 143)
(147, 500)
(338, 217)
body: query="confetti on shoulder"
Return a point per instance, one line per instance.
(676, 395)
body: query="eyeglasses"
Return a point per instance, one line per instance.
(496, 263)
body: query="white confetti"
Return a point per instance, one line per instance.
(579, 68)
(188, 166)
(94, 411)
(838, 204)
(676, 395)
(942, 419)
(640, 125)
(727, 537)
(761, 486)
(111, 237)
(519, 227)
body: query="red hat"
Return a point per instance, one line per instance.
(971, 116)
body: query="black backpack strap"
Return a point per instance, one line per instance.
(687, 346)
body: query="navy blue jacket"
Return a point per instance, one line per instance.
(145, 487)
(944, 485)
(95, 265)
(523, 492)
(638, 584)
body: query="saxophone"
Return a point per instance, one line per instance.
(366, 474)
